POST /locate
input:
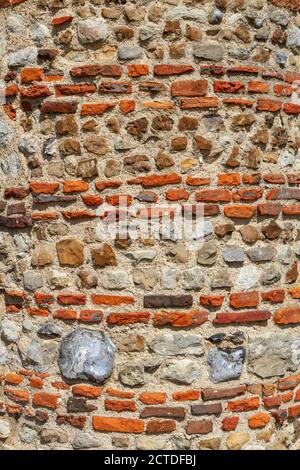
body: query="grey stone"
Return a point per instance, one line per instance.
(132, 375)
(10, 331)
(86, 354)
(233, 254)
(261, 254)
(297, 248)
(23, 57)
(284, 254)
(2, 47)
(39, 32)
(280, 17)
(15, 24)
(123, 144)
(187, 13)
(183, 371)
(207, 255)
(273, 354)
(28, 433)
(49, 330)
(221, 280)
(179, 253)
(215, 16)
(192, 278)
(58, 279)
(263, 34)
(36, 355)
(225, 364)
(92, 30)
(6, 133)
(28, 325)
(239, 53)
(84, 440)
(293, 39)
(32, 280)
(129, 52)
(173, 344)
(4, 429)
(169, 278)
(286, 158)
(115, 280)
(146, 34)
(28, 145)
(213, 123)
(210, 51)
(247, 277)
(270, 275)
(5, 357)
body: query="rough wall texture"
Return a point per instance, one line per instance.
(144, 343)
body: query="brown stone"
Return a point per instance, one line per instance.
(104, 256)
(249, 234)
(271, 231)
(224, 229)
(292, 273)
(67, 126)
(163, 160)
(96, 145)
(70, 252)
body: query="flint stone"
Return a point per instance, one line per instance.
(85, 440)
(28, 433)
(4, 429)
(28, 145)
(183, 371)
(92, 30)
(169, 278)
(234, 254)
(36, 355)
(86, 354)
(11, 165)
(293, 39)
(284, 254)
(5, 133)
(247, 278)
(32, 281)
(192, 278)
(273, 354)
(213, 52)
(15, 23)
(280, 17)
(225, 364)
(261, 254)
(39, 32)
(5, 357)
(172, 344)
(132, 375)
(23, 57)
(49, 330)
(10, 331)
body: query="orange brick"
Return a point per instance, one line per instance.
(258, 420)
(244, 404)
(45, 400)
(153, 398)
(89, 391)
(124, 425)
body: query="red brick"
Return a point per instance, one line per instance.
(38, 312)
(61, 20)
(201, 103)
(213, 195)
(274, 178)
(273, 401)
(126, 425)
(221, 86)
(90, 316)
(287, 315)
(65, 314)
(80, 89)
(245, 404)
(238, 102)
(274, 296)
(175, 412)
(104, 299)
(58, 107)
(44, 299)
(189, 88)
(230, 423)
(119, 405)
(269, 208)
(294, 411)
(212, 300)
(283, 90)
(258, 420)
(137, 70)
(71, 299)
(251, 194)
(197, 180)
(115, 87)
(268, 105)
(32, 75)
(241, 317)
(239, 212)
(289, 382)
(127, 106)
(95, 109)
(88, 391)
(45, 400)
(13, 379)
(291, 108)
(258, 87)
(203, 426)
(159, 427)
(244, 299)
(128, 318)
(157, 180)
(172, 69)
(295, 292)
(179, 194)
(92, 200)
(180, 319)
(75, 186)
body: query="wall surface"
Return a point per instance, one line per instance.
(149, 343)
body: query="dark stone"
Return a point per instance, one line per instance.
(168, 301)
(211, 409)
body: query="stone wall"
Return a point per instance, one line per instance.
(149, 343)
